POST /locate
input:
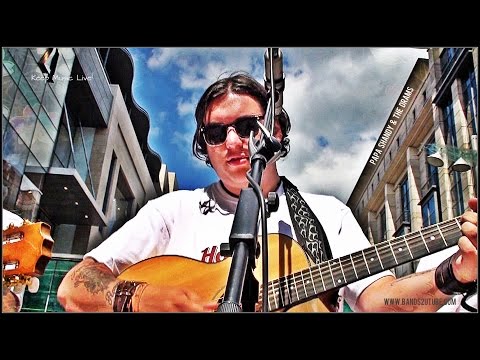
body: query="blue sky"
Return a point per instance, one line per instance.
(338, 100)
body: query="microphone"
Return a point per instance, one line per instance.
(278, 76)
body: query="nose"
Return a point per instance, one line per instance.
(232, 138)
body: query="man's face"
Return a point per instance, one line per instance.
(230, 159)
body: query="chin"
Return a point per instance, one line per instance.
(237, 182)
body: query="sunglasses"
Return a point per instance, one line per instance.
(216, 134)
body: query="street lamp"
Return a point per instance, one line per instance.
(461, 165)
(463, 159)
(436, 158)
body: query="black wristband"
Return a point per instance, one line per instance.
(123, 295)
(446, 281)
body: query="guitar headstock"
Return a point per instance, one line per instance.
(26, 249)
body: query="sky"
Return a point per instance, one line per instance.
(338, 100)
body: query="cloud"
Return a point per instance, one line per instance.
(338, 100)
(157, 124)
(343, 96)
(186, 107)
(182, 141)
(160, 57)
(326, 170)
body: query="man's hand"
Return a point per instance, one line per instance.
(465, 265)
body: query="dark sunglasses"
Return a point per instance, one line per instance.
(216, 134)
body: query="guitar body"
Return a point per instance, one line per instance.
(285, 257)
(294, 282)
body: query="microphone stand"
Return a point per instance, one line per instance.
(241, 293)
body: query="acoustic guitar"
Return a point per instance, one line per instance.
(295, 284)
(26, 251)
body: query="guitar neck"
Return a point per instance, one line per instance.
(308, 283)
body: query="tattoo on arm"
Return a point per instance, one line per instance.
(95, 280)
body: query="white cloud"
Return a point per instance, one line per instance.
(160, 57)
(345, 96)
(183, 144)
(326, 170)
(156, 126)
(186, 107)
(341, 95)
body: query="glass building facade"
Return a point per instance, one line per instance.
(60, 155)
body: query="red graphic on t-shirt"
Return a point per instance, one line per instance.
(211, 255)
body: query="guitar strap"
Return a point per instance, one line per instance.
(309, 231)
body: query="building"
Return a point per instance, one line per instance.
(401, 190)
(75, 150)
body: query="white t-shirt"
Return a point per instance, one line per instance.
(432, 261)
(177, 224)
(10, 218)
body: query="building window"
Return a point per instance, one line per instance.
(405, 200)
(432, 175)
(111, 171)
(42, 146)
(402, 223)
(449, 121)
(446, 58)
(429, 216)
(457, 194)
(383, 226)
(404, 230)
(430, 202)
(122, 203)
(63, 152)
(469, 90)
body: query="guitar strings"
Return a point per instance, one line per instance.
(280, 290)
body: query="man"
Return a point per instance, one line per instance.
(194, 224)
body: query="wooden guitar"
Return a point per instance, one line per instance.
(296, 284)
(26, 251)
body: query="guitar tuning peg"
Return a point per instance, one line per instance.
(33, 285)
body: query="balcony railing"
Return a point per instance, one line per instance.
(403, 219)
(431, 182)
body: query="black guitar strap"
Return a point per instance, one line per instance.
(309, 231)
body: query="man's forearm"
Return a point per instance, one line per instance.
(413, 293)
(89, 286)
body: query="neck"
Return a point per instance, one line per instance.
(228, 191)
(270, 179)
(270, 182)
